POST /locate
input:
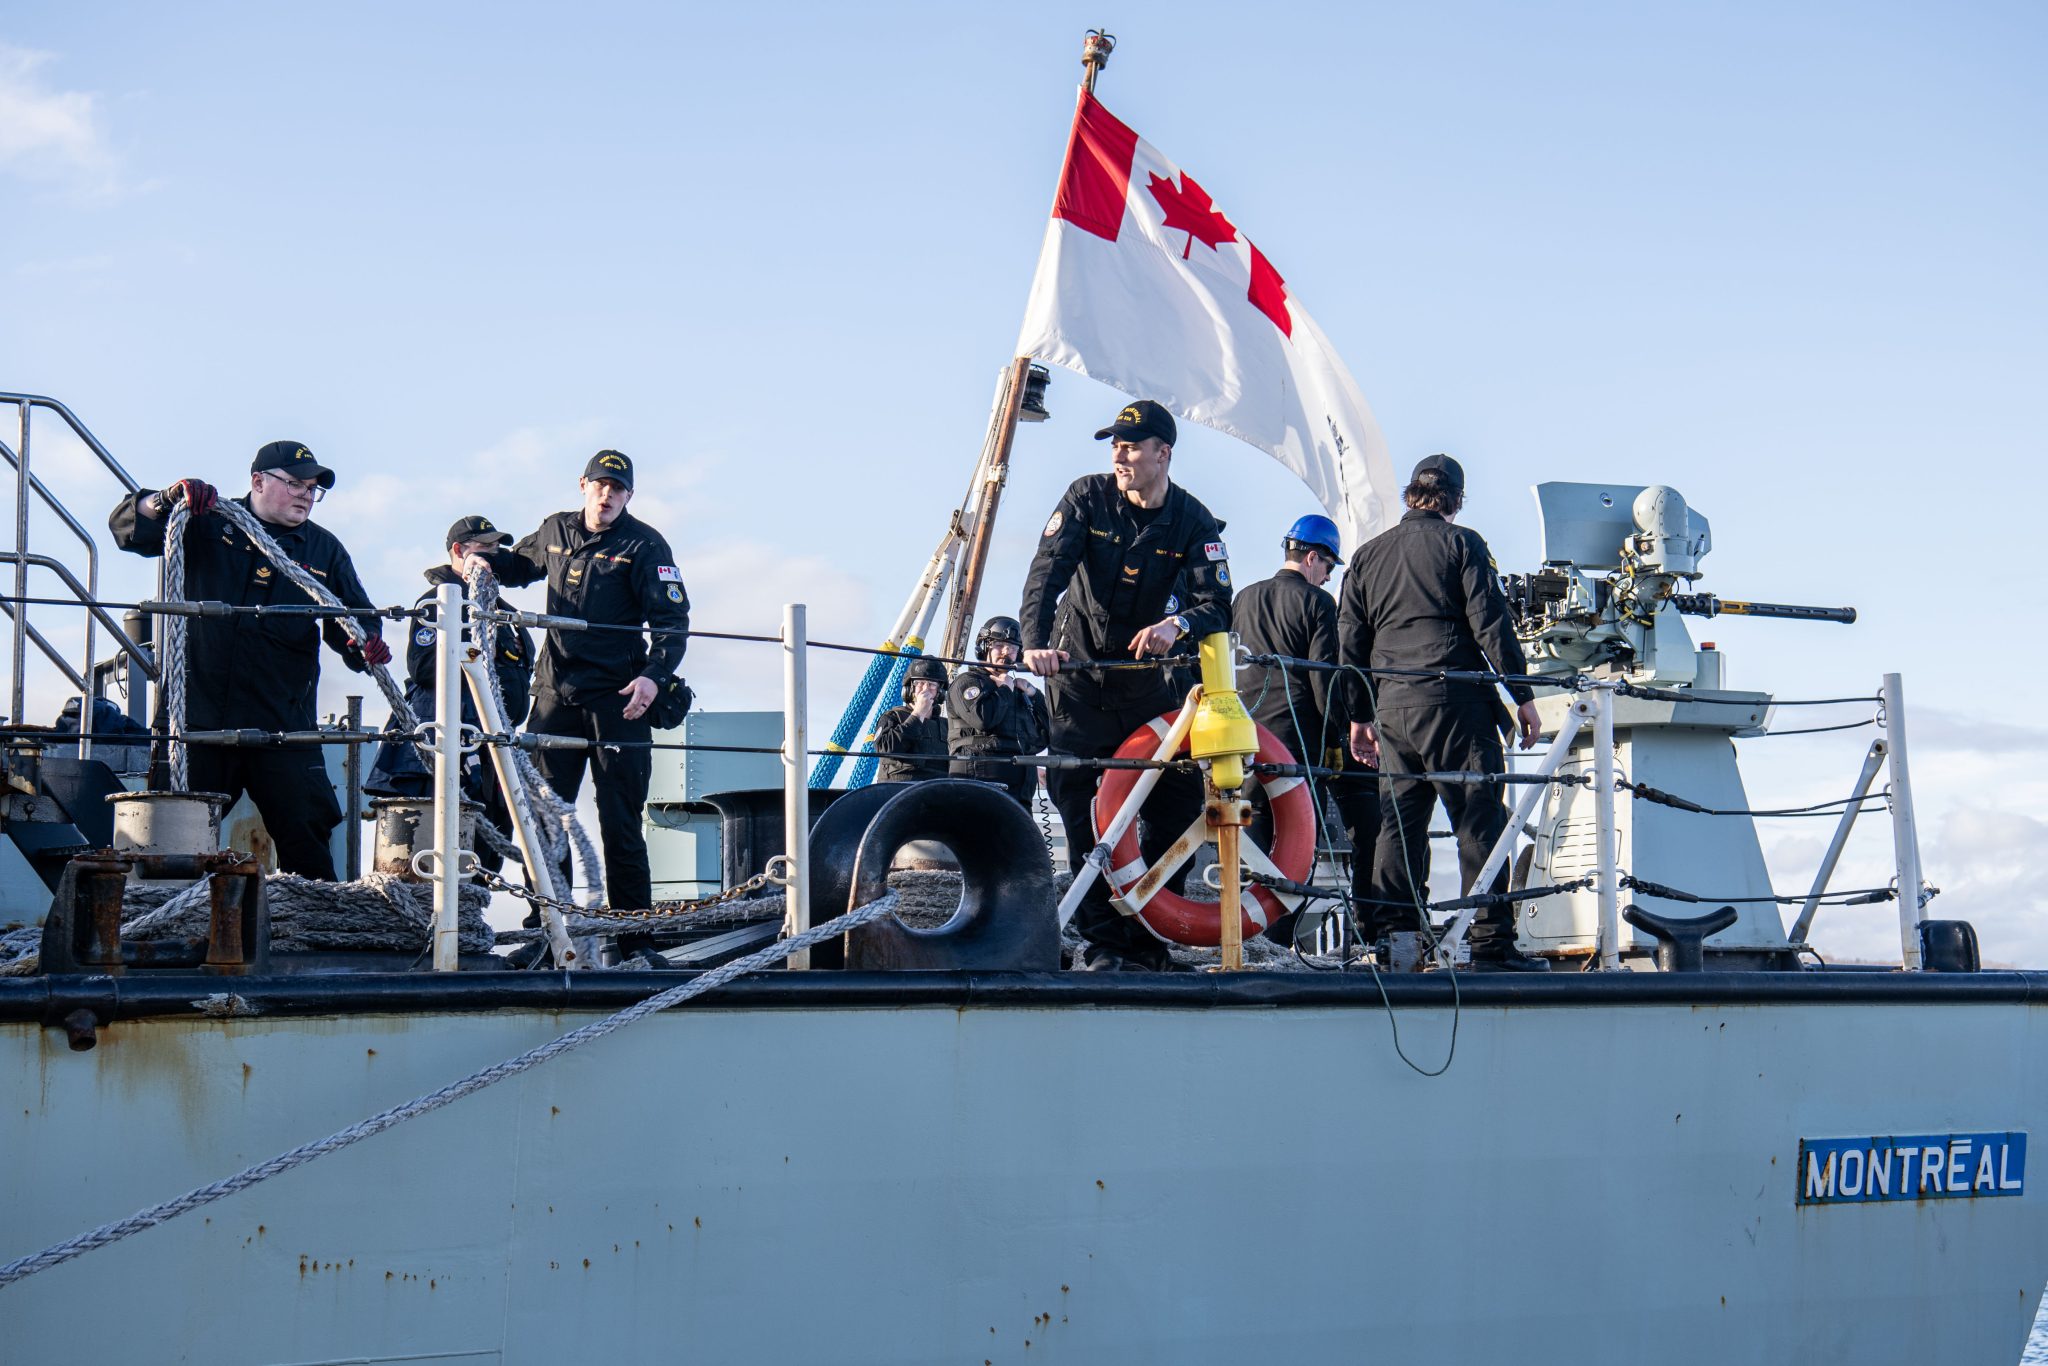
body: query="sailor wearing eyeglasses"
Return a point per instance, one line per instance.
(251, 671)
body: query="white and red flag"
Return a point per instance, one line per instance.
(1145, 285)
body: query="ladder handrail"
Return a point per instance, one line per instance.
(92, 576)
(26, 482)
(51, 653)
(141, 653)
(78, 429)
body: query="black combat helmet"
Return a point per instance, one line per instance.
(923, 668)
(997, 631)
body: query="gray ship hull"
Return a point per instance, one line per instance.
(851, 1168)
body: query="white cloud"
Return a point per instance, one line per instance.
(1973, 785)
(1943, 730)
(50, 136)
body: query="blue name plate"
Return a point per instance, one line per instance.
(1834, 1171)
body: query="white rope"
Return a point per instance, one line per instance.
(135, 1223)
(174, 628)
(483, 595)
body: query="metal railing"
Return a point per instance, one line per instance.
(26, 483)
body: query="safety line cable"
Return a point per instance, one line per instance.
(547, 621)
(1831, 807)
(1865, 896)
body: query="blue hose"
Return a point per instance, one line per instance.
(864, 769)
(855, 716)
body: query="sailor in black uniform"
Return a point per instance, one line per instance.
(995, 712)
(259, 672)
(1293, 614)
(400, 769)
(1098, 589)
(610, 568)
(914, 734)
(1424, 594)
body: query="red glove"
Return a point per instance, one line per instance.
(375, 651)
(196, 494)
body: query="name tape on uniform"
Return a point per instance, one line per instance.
(1835, 1171)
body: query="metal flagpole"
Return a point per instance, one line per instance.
(968, 589)
(1095, 52)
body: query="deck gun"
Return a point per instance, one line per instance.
(1607, 596)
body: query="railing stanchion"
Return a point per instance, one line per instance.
(1609, 889)
(18, 683)
(796, 792)
(352, 818)
(448, 600)
(1905, 832)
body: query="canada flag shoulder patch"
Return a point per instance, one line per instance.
(1215, 550)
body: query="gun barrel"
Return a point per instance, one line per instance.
(1707, 605)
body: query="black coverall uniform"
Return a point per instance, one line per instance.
(256, 672)
(624, 575)
(1287, 615)
(916, 749)
(400, 769)
(1104, 571)
(989, 719)
(1424, 594)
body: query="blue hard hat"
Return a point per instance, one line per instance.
(1319, 531)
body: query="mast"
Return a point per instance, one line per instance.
(1095, 52)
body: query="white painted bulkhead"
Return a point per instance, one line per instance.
(1003, 1184)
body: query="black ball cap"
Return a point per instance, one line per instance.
(1451, 471)
(610, 465)
(475, 529)
(1140, 420)
(291, 460)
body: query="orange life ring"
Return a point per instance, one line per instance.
(1178, 919)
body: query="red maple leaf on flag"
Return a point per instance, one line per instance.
(1190, 210)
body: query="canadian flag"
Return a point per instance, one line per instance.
(1144, 284)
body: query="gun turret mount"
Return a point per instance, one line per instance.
(1608, 598)
(1613, 557)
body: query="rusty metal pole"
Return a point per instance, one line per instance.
(961, 620)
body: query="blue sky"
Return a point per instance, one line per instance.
(1787, 259)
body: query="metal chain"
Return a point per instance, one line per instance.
(662, 910)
